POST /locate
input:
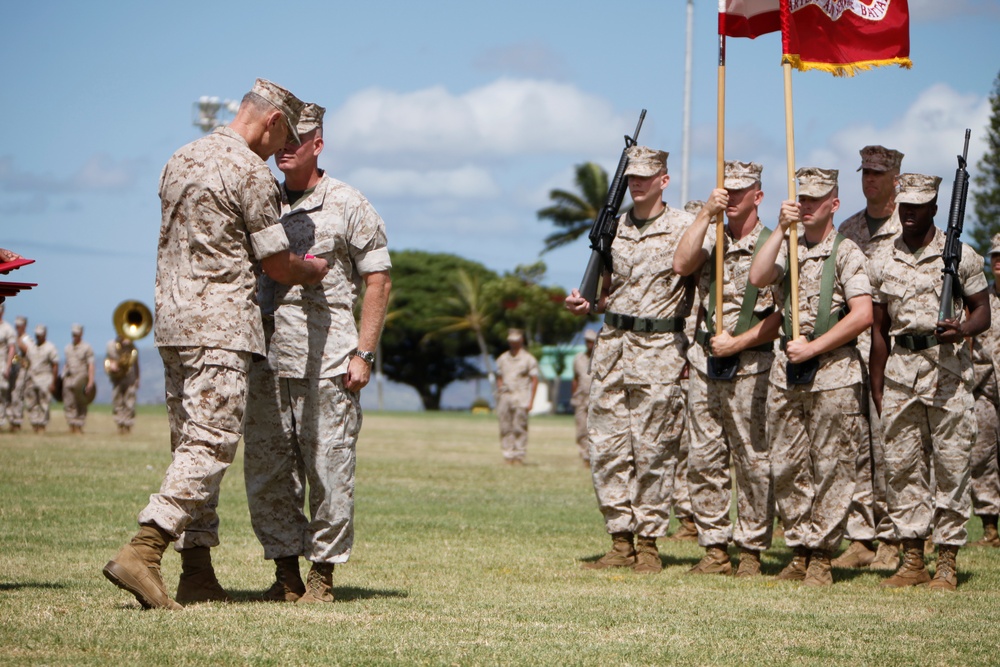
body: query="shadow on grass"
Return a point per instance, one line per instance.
(17, 586)
(666, 559)
(340, 594)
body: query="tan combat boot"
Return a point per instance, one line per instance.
(287, 586)
(687, 531)
(647, 556)
(796, 570)
(859, 554)
(818, 573)
(912, 572)
(715, 561)
(886, 556)
(991, 538)
(749, 564)
(198, 582)
(136, 568)
(946, 572)
(319, 584)
(622, 554)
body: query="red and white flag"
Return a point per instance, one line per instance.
(842, 36)
(749, 18)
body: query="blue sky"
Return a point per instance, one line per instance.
(455, 118)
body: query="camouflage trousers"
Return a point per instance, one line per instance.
(123, 396)
(984, 461)
(927, 463)
(869, 517)
(15, 410)
(726, 421)
(299, 431)
(206, 392)
(635, 432)
(814, 450)
(74, 399)
(37, 401)
(513, 428)
(680, 499)
(4, 391)
(582, 435)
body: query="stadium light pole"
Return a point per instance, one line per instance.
(207, 111)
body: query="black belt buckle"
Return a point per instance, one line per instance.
(803, 373)
(722, 368)
(627, 322)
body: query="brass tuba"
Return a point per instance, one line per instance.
(132, 320)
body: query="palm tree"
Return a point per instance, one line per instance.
(574, 213)
(476, 317)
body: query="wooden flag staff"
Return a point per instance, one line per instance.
(793, 232)
(720, 181)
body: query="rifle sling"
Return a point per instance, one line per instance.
(747, 318)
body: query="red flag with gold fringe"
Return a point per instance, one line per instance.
(843, 36)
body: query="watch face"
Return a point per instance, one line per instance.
(367, 356)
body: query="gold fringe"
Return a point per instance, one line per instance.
(843, 69)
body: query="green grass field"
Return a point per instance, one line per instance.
(458, 560)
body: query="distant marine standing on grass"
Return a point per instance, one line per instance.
(517, 382)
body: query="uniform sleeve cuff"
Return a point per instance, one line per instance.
(269, 241)
(373, 261)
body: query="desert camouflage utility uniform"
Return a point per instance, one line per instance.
(18, 374)
(581, 402)
(815, 429)
(869, 519)
(726, 418)
(513, 401)
(220, 216)
(928, 417)
(302, 423)
(76, 373)
(123, 390)
(985, 473)
(37, 393)
(636, 401)
(7, 339)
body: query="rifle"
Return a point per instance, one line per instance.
(605, 227)
(952, 255)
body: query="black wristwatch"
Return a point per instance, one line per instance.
(369, 357)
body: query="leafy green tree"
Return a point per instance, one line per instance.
(423, 285)
(573, 214)
(986, 193)
(525, 303)
(473, 314)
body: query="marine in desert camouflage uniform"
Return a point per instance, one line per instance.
(815, 428)
(985, 469)
(922, 380)
(8, 349)
(17, 373)
(42, 361)
(304, 410)
(726, 417)
(517, 382)
(124, 387)
(220, 227)
(580, 394)
(872, 228)
(78, 379)
(636, 402)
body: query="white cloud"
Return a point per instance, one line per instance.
(929, 133)
(468, 182)
(509, 117)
